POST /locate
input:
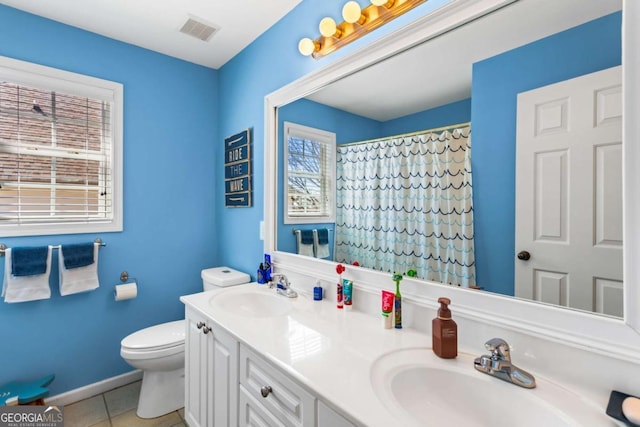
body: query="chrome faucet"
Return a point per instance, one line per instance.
(283, 287)
(498, 364)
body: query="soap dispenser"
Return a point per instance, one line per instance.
(444, 332)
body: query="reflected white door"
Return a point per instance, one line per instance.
(569, 193)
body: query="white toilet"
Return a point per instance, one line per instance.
(159, 352)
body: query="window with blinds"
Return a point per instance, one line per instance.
(310, 165)
(60, 134)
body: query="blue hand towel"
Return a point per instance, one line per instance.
(29, 261)
(323, 236)
(77, 255)
(306, 237)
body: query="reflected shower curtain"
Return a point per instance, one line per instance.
(406, 203)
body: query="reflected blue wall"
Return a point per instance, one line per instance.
(496, 83)
(445, 115)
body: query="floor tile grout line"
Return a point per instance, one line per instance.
(106, 407)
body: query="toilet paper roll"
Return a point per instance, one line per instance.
(126, 291)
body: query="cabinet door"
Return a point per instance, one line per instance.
(195, 372)
(223, 367)
(211, 374)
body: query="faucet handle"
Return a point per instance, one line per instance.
(499, 349)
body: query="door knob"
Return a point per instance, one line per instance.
(206, 329)
(524, 255)
(199, 325)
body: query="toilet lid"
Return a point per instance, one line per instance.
(157, 337)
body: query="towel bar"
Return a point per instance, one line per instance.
(294, 230)
(3, 247)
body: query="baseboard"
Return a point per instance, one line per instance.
(94, 389)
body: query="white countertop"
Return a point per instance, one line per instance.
(330, 351)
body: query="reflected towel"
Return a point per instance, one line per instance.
(77, 255)
(29, 261)
(25, 288)
(305, 244)
(321, 242)
(80, 279)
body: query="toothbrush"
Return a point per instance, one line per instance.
(397, 277)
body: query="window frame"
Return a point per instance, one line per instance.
(328, 140)
(66, 82)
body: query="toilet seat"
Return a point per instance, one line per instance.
(160, 340)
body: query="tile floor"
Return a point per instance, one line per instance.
(116, 408)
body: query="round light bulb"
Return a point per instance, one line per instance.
(351, 12)
(328, 27)
(306, 46)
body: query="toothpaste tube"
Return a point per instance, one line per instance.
(387, 308)
(347, 288)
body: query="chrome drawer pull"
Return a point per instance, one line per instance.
(199, 325)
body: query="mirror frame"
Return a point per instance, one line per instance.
(596, 333)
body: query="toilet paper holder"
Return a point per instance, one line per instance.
(124, 276)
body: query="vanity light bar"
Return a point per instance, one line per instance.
(357, 22)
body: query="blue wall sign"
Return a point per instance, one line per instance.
(237, 170)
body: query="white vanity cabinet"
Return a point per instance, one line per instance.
(230, 383)
(211, 373)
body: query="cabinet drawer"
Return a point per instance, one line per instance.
(286, 401)
(253, 414)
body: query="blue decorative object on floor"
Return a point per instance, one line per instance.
(25, 392)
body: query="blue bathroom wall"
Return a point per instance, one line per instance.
(347, 127)
(170, 185)
(269, 63)
(445, 115)
(581, 50)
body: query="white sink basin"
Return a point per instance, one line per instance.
(424, 390)
(252, 303)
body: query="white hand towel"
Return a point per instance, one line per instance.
(303, 248)
(81, 279)
(25, 288)
(322, 250)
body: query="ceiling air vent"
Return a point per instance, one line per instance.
(195, 27)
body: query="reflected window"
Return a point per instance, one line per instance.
(309, 165)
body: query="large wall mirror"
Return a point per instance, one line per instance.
(531, 95)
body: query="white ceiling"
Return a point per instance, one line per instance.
(438, 72)
(155, 24)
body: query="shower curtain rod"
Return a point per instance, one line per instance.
(443, 128)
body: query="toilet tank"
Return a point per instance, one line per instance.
(220, 277)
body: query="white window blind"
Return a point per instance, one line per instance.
(309, 174)
(59, 135)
